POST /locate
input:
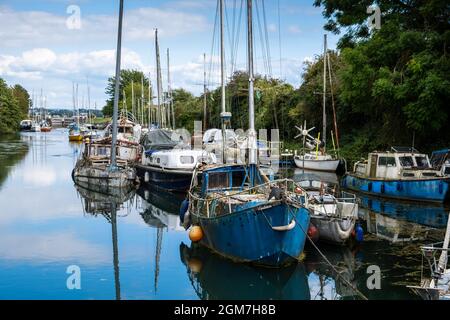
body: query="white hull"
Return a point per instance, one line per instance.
(317, 165)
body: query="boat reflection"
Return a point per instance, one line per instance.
(327, 283)
(216, 278)
(107, 205)
(315, 177)
(160, 209)
(397, 221)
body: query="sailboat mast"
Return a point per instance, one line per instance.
(89, 100)
(160, 115)
(222, 72)
(169, 90)
(251, 86)
(116, 89)
(205, 123)
(325, 53)
(78, 107)
(142, 100)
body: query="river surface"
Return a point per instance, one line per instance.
(132, 247)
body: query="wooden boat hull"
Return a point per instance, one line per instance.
(102, 179)
(170, 180)
(249, 235)
(433, 190)
(317, 165)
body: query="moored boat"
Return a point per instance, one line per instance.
(265, 224)
(168, 163)
(93, 170)
(25, 125)
(402, 173)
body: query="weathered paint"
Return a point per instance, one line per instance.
(435, 190)
(247, 235)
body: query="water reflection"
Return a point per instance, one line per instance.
(12, 151)
(332, 283)
(213, 277)
(107, 205)
(431, 215)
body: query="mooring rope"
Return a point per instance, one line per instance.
(328, 261)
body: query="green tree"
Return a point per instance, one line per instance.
(127, 77)
(10, 112)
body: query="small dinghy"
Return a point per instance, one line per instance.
(334, 216)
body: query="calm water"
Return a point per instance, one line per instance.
(131, 246)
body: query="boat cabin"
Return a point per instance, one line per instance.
(399, 163)
(440, 160)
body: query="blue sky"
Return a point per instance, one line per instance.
(39, 51)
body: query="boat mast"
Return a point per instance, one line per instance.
(169, 90)
(325, 53)
(444, 254)
(89, 100)
(116, 90)
(160, 115)
(251, 87)
(133, 102)
(142, 100)
(205, 123)
(224, 115)
(78, 107)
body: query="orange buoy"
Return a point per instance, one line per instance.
(196, 234)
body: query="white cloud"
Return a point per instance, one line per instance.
(34, 28)
(294, 29)
(50, 248)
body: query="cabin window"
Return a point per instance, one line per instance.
(408, 174)
(158, 160)
(406, 161)
(187, 159)
(238, 178)
(386, 161)
(218, 180)
(422, 162)
(429, 174)
(447, 170)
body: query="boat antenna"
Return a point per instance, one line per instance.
(116, 90)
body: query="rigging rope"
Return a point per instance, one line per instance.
(326, 259)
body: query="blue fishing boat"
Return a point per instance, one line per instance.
(255, 221)
(402, 173)
(236, 210)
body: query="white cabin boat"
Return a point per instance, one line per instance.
(317, 162)
(402, 173)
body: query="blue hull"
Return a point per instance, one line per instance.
(170, 181)
(247, 235)
(434, 190)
